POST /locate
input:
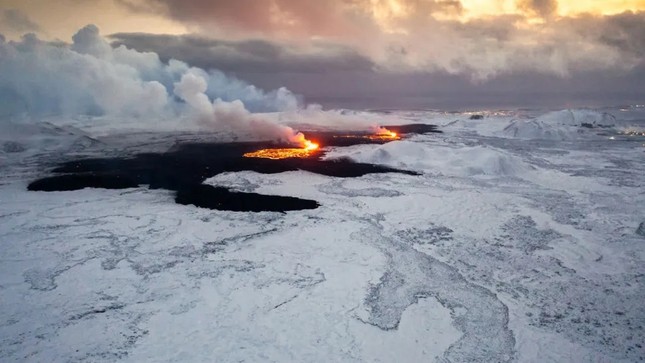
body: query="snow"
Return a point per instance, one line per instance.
(463, 161)
(559, 125)
(510, 246)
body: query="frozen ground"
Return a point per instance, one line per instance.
(519, 242)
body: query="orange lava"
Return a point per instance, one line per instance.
(382, 134)
(310, 145)
(306, 151)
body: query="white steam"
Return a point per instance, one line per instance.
(229, 116)
(90, 77)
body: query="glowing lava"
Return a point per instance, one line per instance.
(309, 148)
(382, 134)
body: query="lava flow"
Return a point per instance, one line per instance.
(306, 151)
(382, 134)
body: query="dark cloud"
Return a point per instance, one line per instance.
(248, 56)
(291, 18)
(18, 21)
(446, 91)
(626, 32)
(542, 8)
(253, 16)
(367, 50)
(340, 82)
(413, 36)
(451, 6)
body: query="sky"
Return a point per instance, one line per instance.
(446, 54)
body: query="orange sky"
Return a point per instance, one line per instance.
(60, 19)
(580, 45)
(565, 7)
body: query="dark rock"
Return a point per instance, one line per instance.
(641, 229)
(81, 181)
(220, 198)
(184, 168)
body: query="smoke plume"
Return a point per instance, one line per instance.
(90, 77)
(229, 116)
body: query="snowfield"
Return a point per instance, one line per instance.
(519, 242)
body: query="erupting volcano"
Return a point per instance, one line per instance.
(308, 149)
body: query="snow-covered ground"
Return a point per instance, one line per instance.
(518, 242)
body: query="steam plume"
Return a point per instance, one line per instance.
(229, 116)
(90, 77)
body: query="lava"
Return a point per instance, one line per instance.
(310, 145)
(382, 134)
(309, 148)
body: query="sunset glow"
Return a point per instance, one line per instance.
(378, 50)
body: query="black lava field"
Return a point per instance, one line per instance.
(183, 169)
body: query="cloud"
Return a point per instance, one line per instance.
(274, 16)
(371, 49)
(90, 77)
(229, 116)
(583, 59)
(623, 32)
(299, 19)
(18, 21)
(443, 91)
(541, 8)
(490, 47)
(248, 55)
(399, 36)
(40, 78)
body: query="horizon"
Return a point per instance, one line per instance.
(375, 53)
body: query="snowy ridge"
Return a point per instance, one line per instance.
(464, 161)
(559, 125)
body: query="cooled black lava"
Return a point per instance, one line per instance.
(185, 167)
